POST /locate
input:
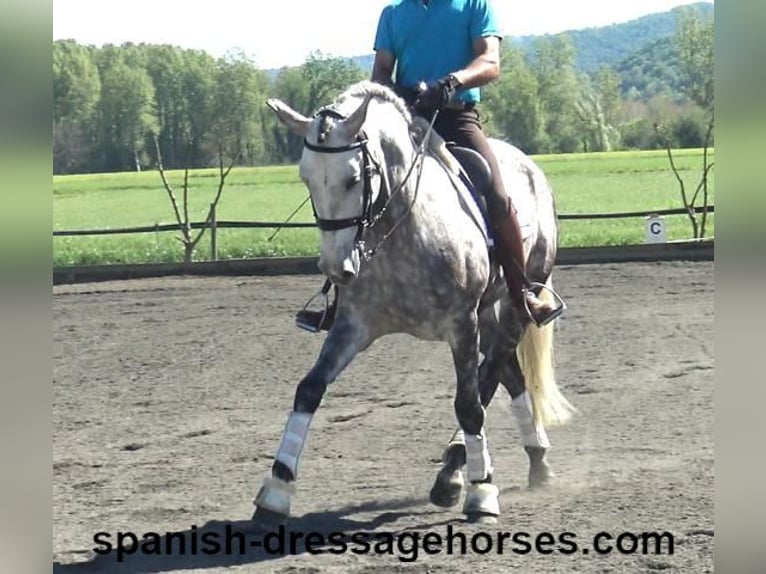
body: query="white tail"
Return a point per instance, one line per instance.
(535, 353)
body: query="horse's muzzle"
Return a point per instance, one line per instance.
(340, 274)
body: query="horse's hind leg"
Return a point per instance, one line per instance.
(273, 499)
(481, 501)
(533, 435)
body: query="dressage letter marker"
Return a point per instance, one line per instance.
(655, 229)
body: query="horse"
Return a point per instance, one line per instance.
(408, 248)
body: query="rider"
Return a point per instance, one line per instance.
(451, 48)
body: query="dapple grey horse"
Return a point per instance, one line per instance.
(407, 247)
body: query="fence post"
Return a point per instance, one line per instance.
(213, 227)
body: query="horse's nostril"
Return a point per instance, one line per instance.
(348, 275)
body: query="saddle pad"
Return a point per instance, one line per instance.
(521, 199)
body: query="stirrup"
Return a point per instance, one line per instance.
(560, 305)
(324, 292)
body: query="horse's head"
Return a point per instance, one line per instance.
(343, 168)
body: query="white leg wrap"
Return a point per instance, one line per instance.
(531, 434)
(478, 463)
(293, 439)
(275, 495)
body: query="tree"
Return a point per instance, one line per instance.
(76, 83)
(235, 127)
(189, 238)
(695, 46)
(608, 85)
(557, 89)
(596, 109)
(696, 49)
(291, 88)
(76, 92)
(166, 67)
(327, 78)
(127, 114)
(511, 105)
(198, 83)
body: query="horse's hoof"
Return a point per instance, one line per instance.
(272, 503)
(540, 477)
(268, 520)
(447, 488)
(540, 474)
(481, 518)
(481, 500)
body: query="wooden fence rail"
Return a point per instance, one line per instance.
(273, 225)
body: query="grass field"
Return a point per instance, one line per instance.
(583, 183)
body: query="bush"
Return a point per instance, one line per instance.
(639, 134)
(688, 131)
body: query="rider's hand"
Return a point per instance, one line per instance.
(437, 94)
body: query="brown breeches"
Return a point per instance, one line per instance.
(463, 127)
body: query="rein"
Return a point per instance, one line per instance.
(369, 217)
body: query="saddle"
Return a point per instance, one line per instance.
(476, 175)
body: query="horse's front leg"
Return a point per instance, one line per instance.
(481, 501)
(448, 485)
(273, 500)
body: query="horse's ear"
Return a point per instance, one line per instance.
(295, 122)
(353, 123)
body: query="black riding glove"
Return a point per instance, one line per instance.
(437, 94)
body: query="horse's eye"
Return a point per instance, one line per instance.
(352, 181)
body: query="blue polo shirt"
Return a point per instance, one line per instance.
(430, 42)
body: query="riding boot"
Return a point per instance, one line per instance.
(509, 247)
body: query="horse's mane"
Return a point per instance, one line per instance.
(379, 92)
(418, 126)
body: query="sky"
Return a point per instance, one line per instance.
(283, 32)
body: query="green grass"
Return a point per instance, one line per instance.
(622, 182)
(583, 183)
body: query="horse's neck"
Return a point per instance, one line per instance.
(403, 152)
(399, 157)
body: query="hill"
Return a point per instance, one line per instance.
(610, 45)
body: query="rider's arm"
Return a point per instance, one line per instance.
(485, 67)
(383, 67)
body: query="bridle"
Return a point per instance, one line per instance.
(372, 212)
(370, 168)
